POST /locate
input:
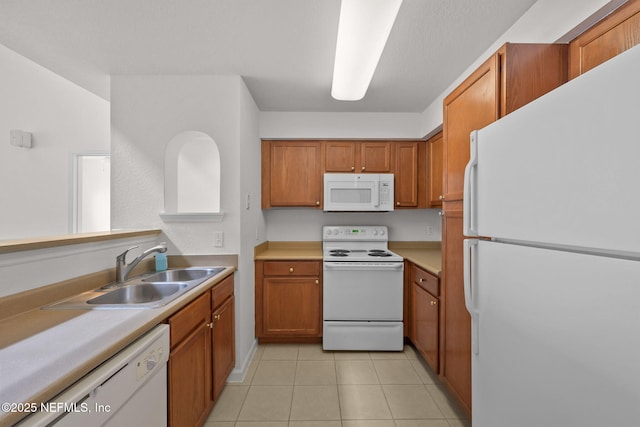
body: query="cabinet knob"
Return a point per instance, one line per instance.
(421, 280)
(397, 203)
(353, 168)
(210, 325)
(441, 213)
(317, 202)
(217, 316)
(434, 302)
(363, 168)
(290, 269)
(441, 197)
(317, 282)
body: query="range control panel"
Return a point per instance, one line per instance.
(354, 233)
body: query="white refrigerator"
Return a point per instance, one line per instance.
(554, 293)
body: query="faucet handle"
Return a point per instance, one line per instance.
(123, 255)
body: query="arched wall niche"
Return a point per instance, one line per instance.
(192, 178)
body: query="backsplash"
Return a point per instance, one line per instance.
(305, 224)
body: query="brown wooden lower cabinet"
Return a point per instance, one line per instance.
(189, 383)
(223, 346)
(425, 315)
(202, 354)
(455, 348)
(288, 301)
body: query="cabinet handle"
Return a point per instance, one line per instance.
(434, 303)
(290, 269)
(363, 168)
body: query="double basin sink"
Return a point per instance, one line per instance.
(148, 291)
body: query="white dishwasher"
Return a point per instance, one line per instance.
(129, 389)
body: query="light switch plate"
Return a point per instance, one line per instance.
(218, 239)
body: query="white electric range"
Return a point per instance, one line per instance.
(362, 290)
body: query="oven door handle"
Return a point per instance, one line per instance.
(362, 266)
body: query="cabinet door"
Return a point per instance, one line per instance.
(472, 105)
(190, 398)
(223, 344)
(375, 157)
(424, 312)
(606, 39)
(406, 174)
(341, 156)
(435, 193)
(292, 174)
(456, 321)
(291, 306)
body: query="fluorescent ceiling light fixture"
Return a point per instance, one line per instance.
(363, 31)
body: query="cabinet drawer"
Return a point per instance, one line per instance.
(291, 268)
(189, 318)
(426, 280)
(221, 292)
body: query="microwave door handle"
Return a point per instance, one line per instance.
(376, 194)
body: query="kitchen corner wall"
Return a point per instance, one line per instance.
(63, 119)
(146, 113)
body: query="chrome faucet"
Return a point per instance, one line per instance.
(123, 270)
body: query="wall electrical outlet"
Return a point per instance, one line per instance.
(218, 239)
(429, 230)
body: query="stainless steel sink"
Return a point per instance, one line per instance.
(138, 294)
(147, 291)
(183, 275)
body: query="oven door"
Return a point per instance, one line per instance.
(368, 291)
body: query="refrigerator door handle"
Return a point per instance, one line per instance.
(469, 201)
(470, 281)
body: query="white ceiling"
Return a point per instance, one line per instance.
(282, 48)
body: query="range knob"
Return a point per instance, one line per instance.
(375, 232)
(382, 232)
(328, 232)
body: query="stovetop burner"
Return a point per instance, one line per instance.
(379, 253)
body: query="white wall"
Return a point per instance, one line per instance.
(339, 125)
(306, 224)
(547, 21)
(252, 229)
(64, 119)
(146, 113)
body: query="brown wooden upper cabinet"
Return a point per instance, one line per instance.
(410, 174)
(358, 156)
(515, 75)
(292, 173)
(434, 184)
(613, 35)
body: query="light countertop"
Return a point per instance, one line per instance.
(44, 351)
(427, 255)
(288, 250)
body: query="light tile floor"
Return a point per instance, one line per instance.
(291, 385)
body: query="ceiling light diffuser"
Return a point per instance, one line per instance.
(363, 30)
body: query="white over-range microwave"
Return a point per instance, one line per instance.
(358, 192)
